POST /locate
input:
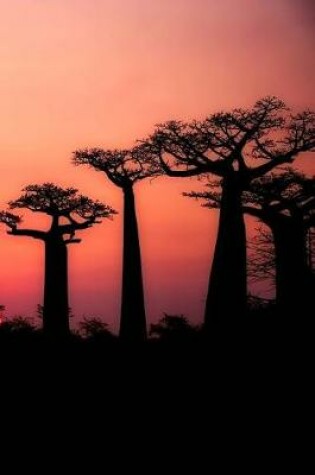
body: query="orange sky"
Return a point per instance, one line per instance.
(79, 73)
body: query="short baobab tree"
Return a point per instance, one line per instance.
(69, 212)
(286, 203)
(125, 168)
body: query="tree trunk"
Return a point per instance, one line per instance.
(227, 291)
(133, 319)
(56, 301)
(294, 280)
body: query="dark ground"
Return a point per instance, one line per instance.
(237, 398)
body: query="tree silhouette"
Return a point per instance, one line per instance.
(124, 168)
(238, 147)
(285, 202)
(69, 213)
(262, 262)
(174, 328)
(95, 329)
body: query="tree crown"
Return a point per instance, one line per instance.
(123, 167)
(79, 211)
(290, 193)
(228, 142)
(290, 190)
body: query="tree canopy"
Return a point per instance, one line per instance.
(123, 167)
(79, 211)
(249, 141)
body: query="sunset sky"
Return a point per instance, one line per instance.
(77, 73)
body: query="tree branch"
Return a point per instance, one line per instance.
(72, 241)
(269, 166)
(257, 213)
(29, 232)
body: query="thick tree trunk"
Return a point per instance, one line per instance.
(56, 301)
(294, 280)
(227, 292)
(133, 319)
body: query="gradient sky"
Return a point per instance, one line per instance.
(77, 73)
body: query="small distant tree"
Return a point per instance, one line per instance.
(69, 212)
(125, 168)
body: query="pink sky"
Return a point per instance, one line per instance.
(79, 73)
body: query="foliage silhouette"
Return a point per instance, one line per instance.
(17, 334)
(69, 213)
(239, 147)
(94, 328)
(174, 328)
(125, 168)
(2, 310)
(18, 324)
(259, 303)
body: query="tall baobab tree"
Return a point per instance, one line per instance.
(238, 147)
(285, 202)
(124, 168)
(69, 213)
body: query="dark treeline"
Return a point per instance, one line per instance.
(240, 156)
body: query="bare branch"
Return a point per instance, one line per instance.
(12, 221)
(299, 137)
(261, 261)
(72, 241)
(29, 232)
(88, 212)
(211, 198)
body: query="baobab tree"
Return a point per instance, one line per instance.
(238, 147)
(124, 168)
(262, 260)
(260, 255)
(69, 213)
(285, 202)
